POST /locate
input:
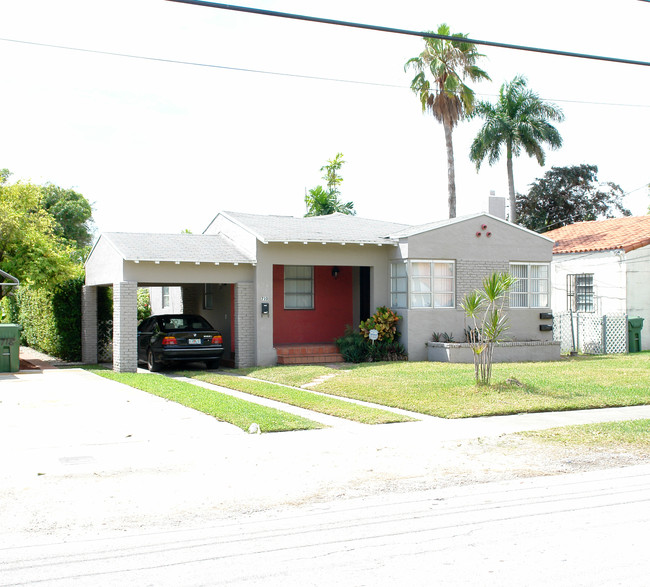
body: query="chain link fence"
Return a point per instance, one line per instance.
(591, 334)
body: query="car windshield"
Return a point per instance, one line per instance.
(185, 323)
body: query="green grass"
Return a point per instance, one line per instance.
(618, 435)
(301, 398)
(295, 375)
(221, 406)
(448, 390)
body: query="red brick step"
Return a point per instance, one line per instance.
(308, 353)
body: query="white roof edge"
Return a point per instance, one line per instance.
(336, 241)
(518, 226)
(238, 223)
(451, 221)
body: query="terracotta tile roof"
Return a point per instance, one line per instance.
(627, 233)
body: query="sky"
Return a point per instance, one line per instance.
(157, 146)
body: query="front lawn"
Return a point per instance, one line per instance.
(448, 390)
(301, 398)
(618, 435)
(221, 406)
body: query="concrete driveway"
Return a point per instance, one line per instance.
(86, 458)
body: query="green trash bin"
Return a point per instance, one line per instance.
(634, 326)
(9, 348)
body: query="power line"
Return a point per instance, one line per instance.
(276, 73)
(198, 63)
(407, 32)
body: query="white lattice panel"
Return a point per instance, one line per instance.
(591, 334)
(615, 333)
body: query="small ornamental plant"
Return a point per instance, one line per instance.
(384, 321)
(488, 321)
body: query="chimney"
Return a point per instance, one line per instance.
(497, 206)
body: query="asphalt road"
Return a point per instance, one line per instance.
(579, 529)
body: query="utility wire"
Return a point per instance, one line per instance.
(199, 64)
(411, 33)
(277, 73)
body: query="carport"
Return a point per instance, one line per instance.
(127, 261)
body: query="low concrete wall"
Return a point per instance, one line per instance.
(505, 352)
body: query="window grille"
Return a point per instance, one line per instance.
(580, 292)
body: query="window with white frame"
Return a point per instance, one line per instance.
(298, 287)
(580, 292)
(398, 285)
(166, 300)
(531, 287)
(423, 284)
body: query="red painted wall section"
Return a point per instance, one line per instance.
(332, 308)
(232, 318)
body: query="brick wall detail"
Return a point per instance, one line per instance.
(245, 324)
(89, 324)
(470, 275)
(125, 325)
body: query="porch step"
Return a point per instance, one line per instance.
(308, 353)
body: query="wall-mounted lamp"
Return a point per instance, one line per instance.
(335, 272)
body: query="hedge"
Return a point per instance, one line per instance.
(50, 318)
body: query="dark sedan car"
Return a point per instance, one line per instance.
(168, 338)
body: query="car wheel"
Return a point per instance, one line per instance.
(152, 364)
(213, 364)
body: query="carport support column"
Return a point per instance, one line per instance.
(125, 326)
(89, 324)
(245, 324)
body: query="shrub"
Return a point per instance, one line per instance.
(144, 304)
(9, 312)
(356, 347)
(353, 346)
(51, 318)
(384, 321)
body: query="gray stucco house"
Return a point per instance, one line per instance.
(270, 281)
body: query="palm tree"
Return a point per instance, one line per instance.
(445, 95)
(519, 119)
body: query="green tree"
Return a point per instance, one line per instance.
(321, 201)
(519, 120)
(439, 82)
(566, 195)
(72, 214)
(30, 249)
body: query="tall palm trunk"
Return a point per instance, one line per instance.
(451, 174)
(511, 185)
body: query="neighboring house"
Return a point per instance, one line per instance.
(602, 268)
(166, 299)
(267, 281)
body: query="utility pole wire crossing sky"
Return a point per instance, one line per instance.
(384, 29)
